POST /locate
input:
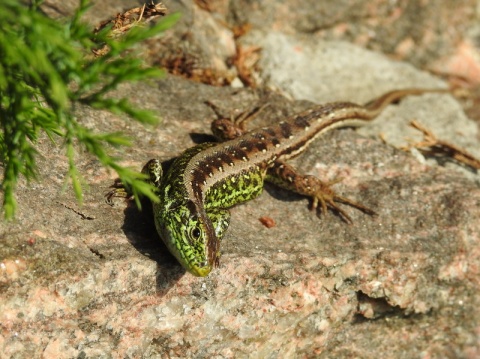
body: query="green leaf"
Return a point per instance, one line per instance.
(46, 71)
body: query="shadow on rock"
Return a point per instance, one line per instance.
(139, 228)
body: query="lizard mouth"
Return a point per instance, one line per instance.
(200, 270)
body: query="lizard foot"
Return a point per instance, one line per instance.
(324, 197)
(118, 190)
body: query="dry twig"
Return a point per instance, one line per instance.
(123, 22)
(433, 146)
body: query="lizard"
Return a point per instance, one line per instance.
(196, 192)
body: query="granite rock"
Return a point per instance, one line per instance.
(96, 281)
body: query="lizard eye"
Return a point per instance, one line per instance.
(195, 233)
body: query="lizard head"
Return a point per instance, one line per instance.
(193, 236)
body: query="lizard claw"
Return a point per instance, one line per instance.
(324, 197)
(118, 190)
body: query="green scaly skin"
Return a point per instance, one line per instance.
(206, 180)
(177, 224)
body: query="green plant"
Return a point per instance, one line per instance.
(45, 71)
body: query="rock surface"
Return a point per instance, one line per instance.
(403, 284)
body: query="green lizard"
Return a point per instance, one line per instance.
(206, 180)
